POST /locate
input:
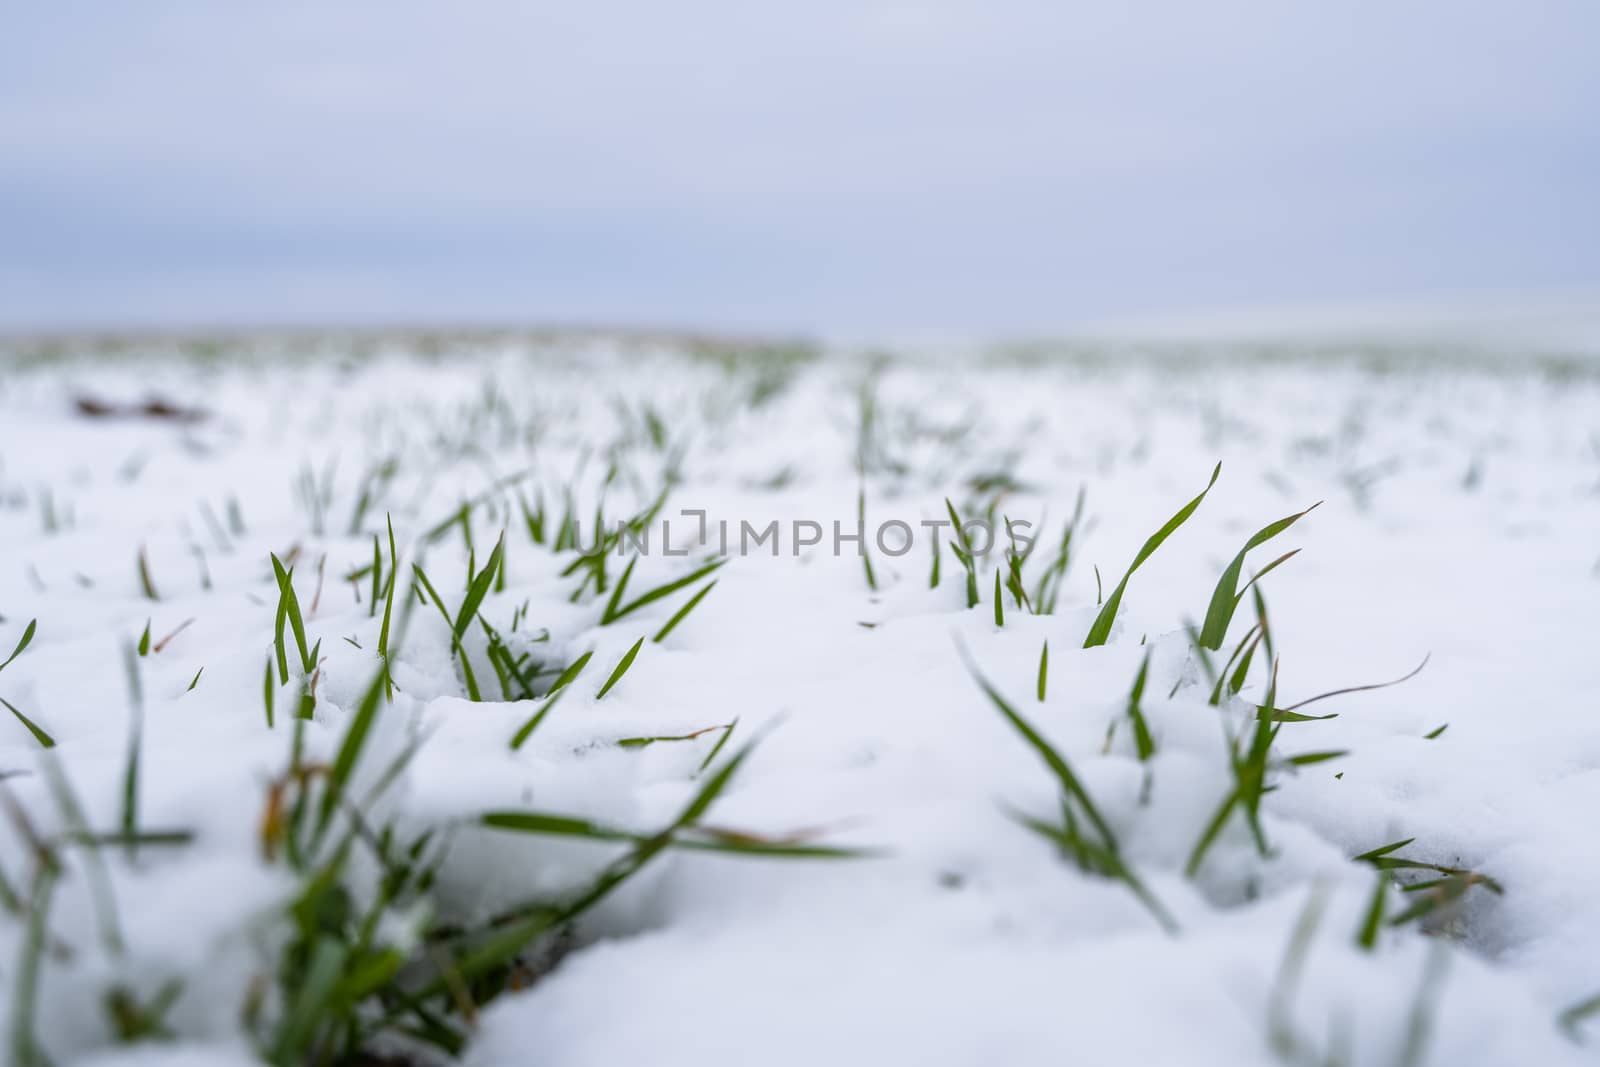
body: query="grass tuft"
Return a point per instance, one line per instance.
(1430, 895)
(1096, 853)
(1249, 769)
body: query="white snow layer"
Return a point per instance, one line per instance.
(1459, 522)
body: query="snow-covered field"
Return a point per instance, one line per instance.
(901, 867)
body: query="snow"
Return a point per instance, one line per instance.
(1458, 523)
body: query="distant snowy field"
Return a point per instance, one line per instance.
(394, 878)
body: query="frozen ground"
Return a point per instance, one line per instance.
(189, 916)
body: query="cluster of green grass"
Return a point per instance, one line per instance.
(518, 677)
(340, 989)
(1083, 835)
(1253, 758)
(340, 986)
(336, 987)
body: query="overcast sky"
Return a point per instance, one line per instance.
(854, 167)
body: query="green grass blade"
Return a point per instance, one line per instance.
(1372, 921)
(39, 735)
(355, 739)
(26, 640)
(1240, 673)
(1577, 1013)
(1383, 850)
(388, 612)
(1354, 689)
(621, 669)
(1225, 598)
(146, 583)
(268, 692)
(1251, 771)
(130, 773)
(1102, 859)
(1307, 759)
(1266, 714)
(1209, 835)
(510, 939)
(861, 526)
(25, 1050)
(1280, 1021)
(505, 944)
(291, 609)
(963, 552)
(683, 612)
(297, 1032)
(574, 669)
(612, 605)
(693, 735)
(1100, 630)
(663, 590)
(377, 577)
(533, 822)
(478, 589)
(716, 749)
(744, 844)
(714, 786)
(1264, 571)
(1420, 1021)
(99, 879)
(279, 625)
(526, 731)
(1058, 765)
(1144, 743)
(468, 678)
